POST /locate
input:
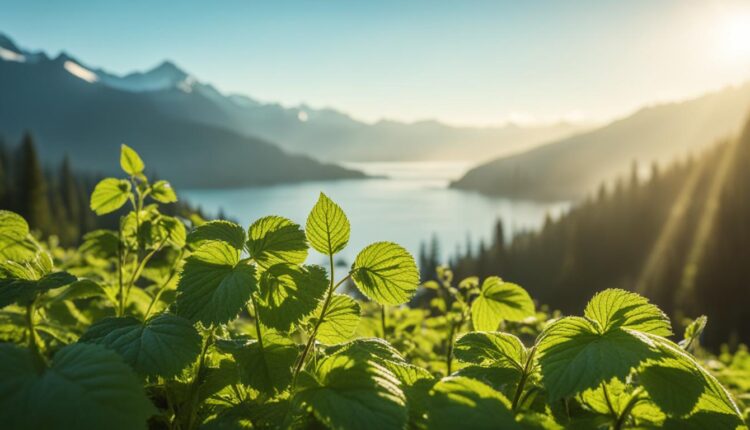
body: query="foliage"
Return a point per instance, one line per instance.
(165, 323)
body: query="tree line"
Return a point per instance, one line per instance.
(680, 237)
(54, 199)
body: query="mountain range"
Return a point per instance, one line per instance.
(200, 137)
(572, 167)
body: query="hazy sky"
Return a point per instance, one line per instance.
(463, 62)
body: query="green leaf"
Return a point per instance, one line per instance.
(23, 291)
(109, 195)
(101, 243)
(345, 393)
(162, 346)
(287, 293)
(499, 301)
(491, 349)
(173, 229)
(85, 387)
(12, 226)
(162, 192)
(386, 272)
(214, 286)
(714, 398)
(340, 320)
(327, 227)
(222, 231)
(693, 333)
(575, 356)
(673, 385)
(373, 348)
(14, 244)
(274, 239)
(458, 402)
(130, 161)
(266, 368)
(614, 308)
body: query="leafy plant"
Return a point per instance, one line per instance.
(170, 323)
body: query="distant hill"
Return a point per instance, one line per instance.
(571, 167)
(680, 238)
(87, 114)
(321, 133)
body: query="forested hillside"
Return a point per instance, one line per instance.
(54, 198)
(571, 168)
(680, 238)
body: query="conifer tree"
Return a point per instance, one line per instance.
(32, 201)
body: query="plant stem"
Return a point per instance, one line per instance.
(311, 340)
(172, 273)
(527, 368)
(620, 422)
(120, 262)
(193, 397)
(258, 330)
(38, 358)
(451, 335)
(608, 401)
(140, 266)
(382, 320)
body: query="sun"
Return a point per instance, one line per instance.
(735, 36)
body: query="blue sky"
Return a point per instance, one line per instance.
(463, 62)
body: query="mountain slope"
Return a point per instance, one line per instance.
(324, 133)
(569, 168)
(70, 111)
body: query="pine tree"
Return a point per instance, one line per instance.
(70, 199)
(32, 202)
(4, 179)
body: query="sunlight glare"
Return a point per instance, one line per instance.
(735, 36)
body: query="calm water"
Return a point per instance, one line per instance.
(410, 205)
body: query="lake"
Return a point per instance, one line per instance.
(408, 205)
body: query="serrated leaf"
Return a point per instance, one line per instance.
(162, 346)
(340, 320)
(693, 333)
(373, 348)
(173, 229)
(615, 308)
(345, 393)
(287, 293)
(109, 195)
(274, 239)
(130, 161)
(12, 226)
(714, 398)
(101, 243)
(23, 291)
(85, 387)
(499, 378)
(327, 227)
(162, 192)
(458, 402)
(219, 230)
(575, 356)
(13, 233)
(499, 301)
(491, 349)
(214, 287)
(386, 272)
(672, 385)
(266, 368)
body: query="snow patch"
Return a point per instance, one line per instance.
(302, 116)
(187, 84)
(80, 72)
(8, 55)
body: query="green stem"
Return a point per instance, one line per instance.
(120, 262)
(382, 320)
(527, 368)
(140, 266)
(451, 335)
(258, 331)
(172, 273)
(608, 401)
(311, 339)
(620, 422)
(193, 397)
(38, 358)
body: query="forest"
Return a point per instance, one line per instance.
(678, 237)
(167, 322)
